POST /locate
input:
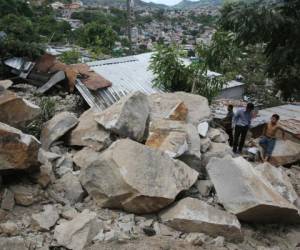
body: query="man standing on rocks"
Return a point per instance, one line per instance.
(269, 137)
(242, 121)
(227, 124)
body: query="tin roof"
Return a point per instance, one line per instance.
(127, 74)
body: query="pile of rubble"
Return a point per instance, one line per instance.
(149, 172)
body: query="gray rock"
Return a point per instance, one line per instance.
(204, 187)
(69, 184)
(45, 157)
(203, 128)
(55, 128)
(205, 145)
(16, 111)
(128, 117)
(193, 215)
(6, 83)
(243, 192)
(279, 180)
(79, 232)
(25, 195)
(17, 150)
(134, 177)
(47, 219)
(13, 243)
(89, 133)
(8, 200)
(196, 239)
(218, 150)
(161, 104)
(9, 228)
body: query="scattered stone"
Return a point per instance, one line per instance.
(25, 195)
(203, 129)
(161, 104)
(204, 187)
(8, 200)
(70, 185)
(279, 180)
(218, 150)
(193, 215)
(89, 133)
(219, 241)
(46, 157)
(205, 145)
(13, 243)
(69, 213)
(196, 239)
(64, 165)
(285, 152)
(55, 128)
(128, 117)
(9, 228)
(6, 84)
(243, 192)
(46, 220)
(178, 113)
(17, 150)
(217, 135)
(3, 214)
(124, 175)
(79, 232)
(15, 111)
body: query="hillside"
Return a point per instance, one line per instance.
(122, 3)
(187, 4)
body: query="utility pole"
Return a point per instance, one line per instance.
(129, 23)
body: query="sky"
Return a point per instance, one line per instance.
(168, 2)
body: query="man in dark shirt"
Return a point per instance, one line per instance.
(227, 124)
(242, 120)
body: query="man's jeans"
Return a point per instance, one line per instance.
(268, 144)
(240, 133)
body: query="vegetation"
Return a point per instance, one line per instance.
(173, 75)
(259, 24)
(70, 57)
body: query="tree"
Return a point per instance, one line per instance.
(277, 26)
(173, 75)
(70, 57)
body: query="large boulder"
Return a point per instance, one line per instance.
(279, 180)
(79, 232)
(15, 111)
(161, 105)
(192, 215)
(89, 133)
(134, 177)
(285, 152)
(218, 150)
(17, 150)
(45, 220)
(128, 117)
(55, 128)
(243, 192)
(177, 139)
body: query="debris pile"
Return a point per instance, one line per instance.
(148, 172)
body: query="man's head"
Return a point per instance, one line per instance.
(230, 107)
(250, 107)
(275, 118)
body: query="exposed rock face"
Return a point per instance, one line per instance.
(15, 111)
(279, 180)
(79, 232)
(17, 150)
(47, 219)
(218, 150)
(193, 215)
(178, 113)
(177, 139)
(246, 194)
(285, 152)
(161, 104)
(8, 200)
(55, 128)
(134, 177)
(128, 117)
(89, 133)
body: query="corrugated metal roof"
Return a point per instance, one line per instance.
(127, 74)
